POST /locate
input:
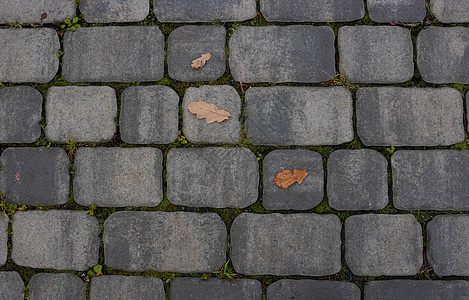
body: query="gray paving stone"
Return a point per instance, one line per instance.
(107, 11)
(11, 286)
(187, 43)
(312, 289)
(430, 180)
(180, 242)
(385, 11)
(55, 239)
(184, 288)
(28, 55)
(189, 11)
(441, 54)
(113, 54)
(357, 180)
(302, 116)
(35, 176)
(212, 177)
(276, 244)
(302, 196)
(118, 177)
(409, 116)
(375, 54)
(224, 97)
(126, 287)
(389, 245)
(149, 115)
(20, 114)
(298, 53)
(27, 11)
(450, 11)
(45, 286)
(3, 240)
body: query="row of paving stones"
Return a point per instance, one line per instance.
(297, 53)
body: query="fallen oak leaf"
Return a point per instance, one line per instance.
(200, 62)
(208, 111)
(286, 178)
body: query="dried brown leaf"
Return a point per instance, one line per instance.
(208, 111)
(200, 62)
(286, 178)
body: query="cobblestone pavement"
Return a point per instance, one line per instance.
(112, 188)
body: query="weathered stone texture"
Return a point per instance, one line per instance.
(45, 286)
(195, 288)
(11, 286)
(313, 290)
(126, 287)
(30, 12)
(450, 11)
(107, 11)
(385, 11)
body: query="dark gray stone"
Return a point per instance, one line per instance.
(183, 288)
(11, 286)
(224, 97)
(442, 54)
(298, 53)
(385, 11)
(113, 54)
(45, 286)
(389, 245)
(302, 196)
(276, 244)
(35, 176)
(108, 11)
(126, 287)
(55, 239)
(375, 54)
(284, 116)
(450, 11)
(180, 242)
(20, 114)
(430, 180)
(188, 43)
(410, 116)
(212, 177)
(27, 11)
(28, 55)
(3, 240)
(312, 289)
(118, 177)
(149, 115)
(357, 180)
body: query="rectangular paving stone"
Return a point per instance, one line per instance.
(105, 11)
(113, 54)
(44, 286)
(410, 116)
(180, 242)
(385, 11)
(298, 53)
(84, 113)
(313, 290)
(27, 11)
(301, 116)
(55, 239)
(182, 288)
(20, 114)
(35, 176)
(276, 244)
(126, 287)
(118, 177)
(212, 177)
(375, 54)
(389, 245)
(3, 240)
(11, 286)
(28, 55)
(450, 11)
(430, 179)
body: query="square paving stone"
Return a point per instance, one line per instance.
(389, 245)
(118, 177)
(3, 240)
(188, 43)
(385, 11)
(35, 176)
(126, 287)
(357, 180)
(224, 97)
(302, 196)
(55, 239)
(450, 11)
(149, 115)
(45, 286)
(375, 54)
(11, 286)
(183, 288)
(313, 290)
(20, 114)
(108, 11)
(30, 12)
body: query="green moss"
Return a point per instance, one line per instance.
(323, 208)
(461, 146)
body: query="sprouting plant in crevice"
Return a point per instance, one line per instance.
(71, 147)
(340, 80)
(226, 272)
(71, 24)
(8, 209)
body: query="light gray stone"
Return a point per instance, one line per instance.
(84, 113)
(28, 55)
(126, 287)
(441, 54)
(113, 54)
(45, 286)
(35, 176)
(3, 240)
(375, 54)
(188, 43)
(183, 288)
(385, 11)
(302, 196)
(27, 11)
(212, 177)
(312, 289)
(450, 11)
(118, 177)
(180, 242)
(430, 179)
(20, 114)
(11, 286)
(298, 53)
(149, 115)
(276, 244)
(224, 97)
(357, 180)
(410, 116)
(107, 11)
(284, 116)
(55, 239)
(389, 245)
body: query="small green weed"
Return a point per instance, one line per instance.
(71, 24)
(59, 54)
(182, 139)
(96, 271)
(340, 80)
(15, 25)
(390, 150)
(91, 211)
(71, 147)
(8, 209)
(226, 272)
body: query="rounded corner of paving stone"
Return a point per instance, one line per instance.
(11, 286)
(312, 289)
(109, 287)
(214, 288)
(56, 286)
